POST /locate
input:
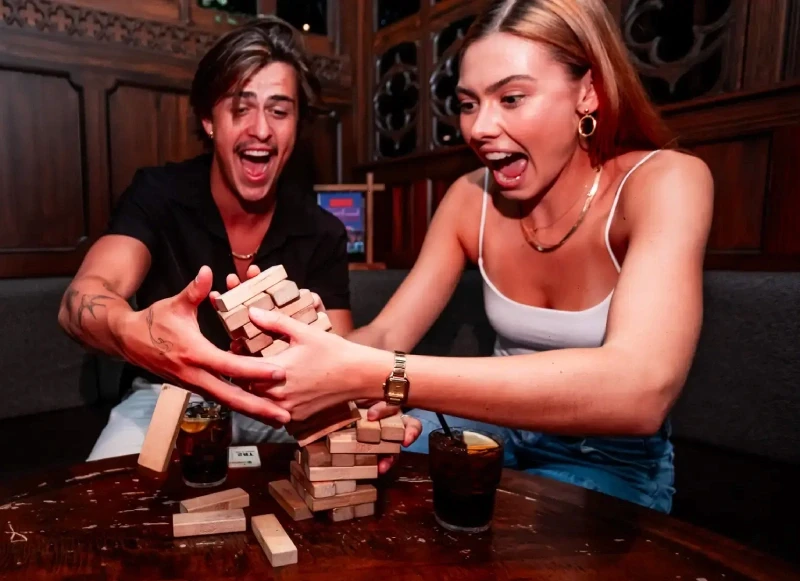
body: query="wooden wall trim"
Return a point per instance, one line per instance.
(183, 40)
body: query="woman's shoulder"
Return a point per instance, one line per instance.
(660, 165)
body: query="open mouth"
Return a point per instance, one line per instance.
(255, 163)
(507, 167)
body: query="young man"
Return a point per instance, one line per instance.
(182, 230)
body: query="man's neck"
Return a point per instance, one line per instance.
(235, 212)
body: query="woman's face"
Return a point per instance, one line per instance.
(520, 111)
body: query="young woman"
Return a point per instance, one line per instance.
(590, 237)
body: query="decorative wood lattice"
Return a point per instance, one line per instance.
(396, 100)
(677, 57)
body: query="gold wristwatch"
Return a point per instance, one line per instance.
(396, 386)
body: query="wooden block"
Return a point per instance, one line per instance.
(316, 454)
(345, 442)
(315, 474)
(343, 460)
(162, 432)
(250, 288)
(307, 315)
(276, 544)
(283, 292)
(342, 513)
(239, 316)
(323, 423)
(304, 301)
(258, 343)
(320, 489)
(246, 331)
(277, 346)
(298, 456)
(224, 500)
(368, 431)
(364, 493)
(286, 496)
(345, 486)
(323, 322)
(366, 459)
(362, 510)
(192, 524)
(393, 429)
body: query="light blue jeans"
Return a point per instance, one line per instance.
(636, 469)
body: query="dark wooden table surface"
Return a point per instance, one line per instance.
(105, 520)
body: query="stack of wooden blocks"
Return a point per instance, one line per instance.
(270, 290)
(325, 474)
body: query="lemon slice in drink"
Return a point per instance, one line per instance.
(477, 442)
(194, 425)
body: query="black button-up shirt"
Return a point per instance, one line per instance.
(171, 210)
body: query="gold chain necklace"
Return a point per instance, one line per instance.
(529, 237)
(243, 256)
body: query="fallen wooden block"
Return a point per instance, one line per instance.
(367, 431)
(316, 474)
(323, 423)
(362, 510)
(284, 292)
(250, 288)
(345, 442)
(366, 459)
(276, 544)
(162, 433)
(363, 494)
(321, 489)
(286, 496)
(345, 486)
(342, 513)
(224, 500)
(208, 523)
(393, 429)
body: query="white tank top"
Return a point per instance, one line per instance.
(523, 328)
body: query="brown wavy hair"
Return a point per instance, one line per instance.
(582, 36)
(241, 53)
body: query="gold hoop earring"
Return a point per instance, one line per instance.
(211, 134)
(581, 124)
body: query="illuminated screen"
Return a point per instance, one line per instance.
(349, 208)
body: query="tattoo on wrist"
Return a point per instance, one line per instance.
(157, 342)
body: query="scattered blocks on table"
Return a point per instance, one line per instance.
(276, 544)
(162, 433)
(224, 500)
(191, 524)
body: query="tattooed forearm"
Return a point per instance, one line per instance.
(88, 304)
(158, 342)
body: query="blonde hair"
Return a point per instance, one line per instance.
(583, 36)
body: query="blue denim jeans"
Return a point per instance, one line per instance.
(636, 469)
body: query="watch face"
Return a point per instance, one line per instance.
(397, 387)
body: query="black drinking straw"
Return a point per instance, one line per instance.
(445, 427)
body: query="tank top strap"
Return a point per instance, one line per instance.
(616, 201)
(483, 214)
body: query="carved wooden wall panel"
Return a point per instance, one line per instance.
(41, 173)
(91, 90)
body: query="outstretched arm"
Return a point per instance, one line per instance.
(624, 387)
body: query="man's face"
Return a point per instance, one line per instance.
(255, 131)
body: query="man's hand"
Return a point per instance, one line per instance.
(166, 340)
(413, 426)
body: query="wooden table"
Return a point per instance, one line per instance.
(104, 520)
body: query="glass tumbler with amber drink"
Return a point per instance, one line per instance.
(465, 471)
(203, 442)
